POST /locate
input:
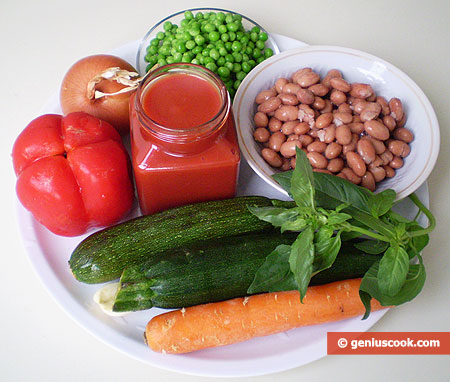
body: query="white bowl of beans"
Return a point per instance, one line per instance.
(355, 115)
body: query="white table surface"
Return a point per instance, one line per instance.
(41, 39)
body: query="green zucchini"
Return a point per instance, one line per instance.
(218, 270)
(103, 255)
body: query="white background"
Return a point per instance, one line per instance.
(39, 42)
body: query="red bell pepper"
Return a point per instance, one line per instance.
(73, 173)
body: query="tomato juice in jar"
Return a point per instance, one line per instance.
(183, 140)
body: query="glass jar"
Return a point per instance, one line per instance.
(183, 140)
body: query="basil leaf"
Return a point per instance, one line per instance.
(301, 260)
(373, 247)
(415, 280)
(284, 180)
(338, 218)
(365, 299)
(275, 215)
(381, 203)
(393, 269)
(332, 191)
(296, 225)
(274, 274)
(417, 242)
(325, 254)
(302, 182)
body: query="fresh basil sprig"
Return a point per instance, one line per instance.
(329, 210)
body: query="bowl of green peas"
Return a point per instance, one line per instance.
(225, 42)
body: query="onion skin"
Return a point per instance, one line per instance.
(73, 94)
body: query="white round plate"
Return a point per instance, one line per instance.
(49, 255)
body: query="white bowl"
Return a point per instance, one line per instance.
(356, 66)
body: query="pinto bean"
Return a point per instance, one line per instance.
(317, 160)
(299, 73)
(307, 79)
(286, 164)
(288, 148)
(390, 172)
(288, 127)
(356, 163)
(359, 90)
(366, 150)
(343, 135)
(399, 148)
(333, 150)
(306, 114)
(328, 107)
(276, 140)
(403, 134)
(301, 128)
(317, 146)
(376, 129)
(260, 119)
(335, 165)
(396, 107)
(319, 90)
(291, 88)
(397, 162)
(319, 103)
(385, 109)
(368, 181)
(288, 99)
(378, 173)
(386, 157)
(342, 118)
(265, 95)
(340, 84)
(305, 139)
(389, 122)
(337, 97)
(274, 124)
(345, 108)
(279, 84)
(305, 96)
(356, 127)
(269, 105)
(271, 157)
(328, 134)
(350, 175)
(261, 135)
(286, 113)
(324, 120)
(371, 111)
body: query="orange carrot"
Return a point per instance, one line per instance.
(239, 319)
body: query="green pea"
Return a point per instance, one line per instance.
(252, 63)
(194, 32)
(237, 57)
(246, 67)
(199, 15)
(210, 46)
(209, 27)
(162, 62)
(236, 46)
(225, 37)
(268, 52)
(256, 53)
(260, 44)
(149, 67)
(260, 59)
(205, 52)
(164, 50)
(245, 57)
(228, 18)
(188, 15)
(160, 35)
(154, 41)
(152, 49)
(237, 67)
(187, 57)
(236, 84)
(254, 36)
(184, 22)
(153, 60)
(256, 29)
(232, 36)
(199, 40)
(197, 49)
(177, 56)
(214, 54)
(190, 44)
(167, 26)
(208, 60)
(232, 27)
(147, 57)
(185, 36)
(217, 23)
(211, 66)
(251, 44)
(222, 29)
(195, 61)
(213, 36)
(170, 59)
(239, 35)
(180, 47)
(248, 50)
(263, 36)
(220, 16)
(229, 66)
(229, 58)
(221, 61)
(228, 45)
(223, 51)
(223, 71)
(244, 39)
